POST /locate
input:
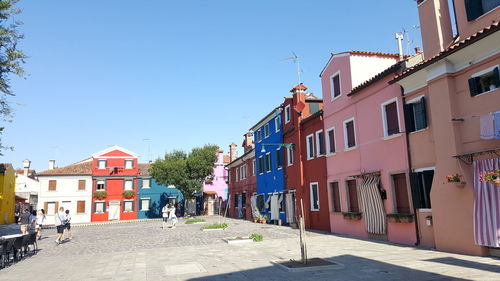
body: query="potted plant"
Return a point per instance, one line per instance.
(255, 219)
(263, 219)
(455, 179)
(492, 176)
(209, 180)
(352, 216)
(128, 194)
(399, 218)
(100, 194)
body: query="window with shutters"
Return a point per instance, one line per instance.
(415, 115)
(146, 183)
(320, 143)
(390, 117)
(99, 207)
(477, 8)
(80, 207)
(52, 185)
(335, 195)
(310, 146)
(314, 195)
(289, 157)
(279, 159)
(100, 185)
(268, 162)
(352, 194)
(50, 208)
(129, 164)
(259, 135)
(349, 134)
(277, 124)
(330, 141)
(335, 85)
(81, 184)
(145, 204)
(261, 165)
(484, 81)
(128, 184)
(266, 130)
(287, 114)
(401, 194)
(101, 164)
(421, 184)
(128, 205)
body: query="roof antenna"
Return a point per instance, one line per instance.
(296, 60)
(399, 37)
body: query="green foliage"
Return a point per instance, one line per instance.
(128, 194)
(11, 58)
(256, 237)
(191, 221)
(186, 172)
(215, 226)
(351, 214)
(399, 215)
(100, 194)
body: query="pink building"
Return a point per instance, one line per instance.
(218, 181)
(367, 160)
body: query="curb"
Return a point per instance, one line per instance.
(104, 223)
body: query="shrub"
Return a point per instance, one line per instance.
(215, 226)
(191, 221)
(256, 237)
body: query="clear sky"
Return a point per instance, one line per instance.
(179, 73)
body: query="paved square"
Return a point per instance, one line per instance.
(144, 251)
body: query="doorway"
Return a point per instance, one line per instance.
(114, 210)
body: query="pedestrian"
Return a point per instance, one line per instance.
(171, 215)
(164, 212)
(69, 236)
(40, 219)
(33, 221)
(24, 219)
(16, 213)
(60, 221)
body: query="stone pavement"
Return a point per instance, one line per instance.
(144, 251)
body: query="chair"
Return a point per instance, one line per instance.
(18, 247)
(24, 246)
(8, 248)
(32, 241)
(2, 241)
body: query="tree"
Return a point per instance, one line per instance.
(11, 58)
(187, 172)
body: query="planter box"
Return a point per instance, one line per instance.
(352, 216)
(214, 229)
(457, 183)
(237, 241)
(399, 219)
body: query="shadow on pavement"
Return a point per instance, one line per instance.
(467, 264)
(355, 268)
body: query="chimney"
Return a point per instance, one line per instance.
(233, 154)
(435, 26)
(26, 167)
(399, 37)
(52, 164)
(248, 142)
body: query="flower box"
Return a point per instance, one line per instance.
(399, 218)
(100, 194)
(354, 216)
(492, 176)
(128, 194)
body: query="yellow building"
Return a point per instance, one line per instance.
(7, 193)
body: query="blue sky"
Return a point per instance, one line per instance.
(179, 73)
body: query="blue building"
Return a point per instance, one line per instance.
(269, 158)
(152, 196)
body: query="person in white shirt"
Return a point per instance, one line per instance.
(69, 236)
(40, 219)
(171, 215)
(60, 221)
(164, 212)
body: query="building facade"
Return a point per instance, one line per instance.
(217, 182)
(7, 193)
(456, 90)
(27, 184)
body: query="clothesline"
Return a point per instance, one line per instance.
(463, 118)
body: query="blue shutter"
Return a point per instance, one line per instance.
(496, 77)
(473, 86)
(474, 9)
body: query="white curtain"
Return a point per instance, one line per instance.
(373, 207)
(290, 208)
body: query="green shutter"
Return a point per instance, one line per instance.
(474, 9)
(473, 87)
(428, 177)
(409, 119)
(423, 112)
(415, 190)
(496, 77)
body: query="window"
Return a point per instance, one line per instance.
(279, 159)
(81, 184)
(101, 164)
(128, 184)
(261, 165)
(421, 183)
(390, 117)
(320, 143)
(80, 207)
(330, 143)
(281, 202)
(145, 204)
(277, 124)
(349, 135)
(243, 199)
(128, 205)
(129, 164)
(259, 135)
(287, 114)
(52, 185)
(99, 207)
(266, 130)
(310, 146)
(314, 196)
(335, 85)
(313, 107)
(352, 192)
(401, 194)
(484, 81)
(235, 201)
(51, 207)
(253, 167)
(268, 162)
(415, 115)
(289, 156)
(237, 173)
(335, 193)
(146, 183)
(100, 185)
(477, 8)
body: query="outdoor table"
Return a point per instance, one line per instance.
(11, 236)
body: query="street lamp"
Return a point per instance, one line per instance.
(287, 145)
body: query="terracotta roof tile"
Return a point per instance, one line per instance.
(368, 53)
(144, 169)
(21, 171)
(80, 168)
(450, 50)
(226, 159)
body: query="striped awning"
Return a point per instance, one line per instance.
(371, 202)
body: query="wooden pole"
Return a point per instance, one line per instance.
(303, 243)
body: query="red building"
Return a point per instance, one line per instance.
(242, 180)
(305, 172)
(114, 184)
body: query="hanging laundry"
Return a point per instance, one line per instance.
(486, 127)
(496, 119)
(290, 208)
(275, 209)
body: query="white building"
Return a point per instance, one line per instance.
(69, 187)
(27, 184)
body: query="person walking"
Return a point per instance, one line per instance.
(60, 221)
(40, 219)
(164, 212)
(69, 236)
(33, 221)
(171, 215)
(24, 219)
